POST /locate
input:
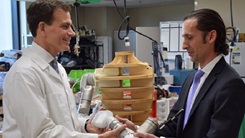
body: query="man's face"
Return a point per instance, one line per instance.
(196, 45)
(59, 33)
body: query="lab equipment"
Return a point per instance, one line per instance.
(87, 89)
(149, 126)
(104, 119)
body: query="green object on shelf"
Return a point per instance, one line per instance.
(126, 82)
(88, 71)
(76, 75)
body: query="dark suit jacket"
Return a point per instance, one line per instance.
(217, 111)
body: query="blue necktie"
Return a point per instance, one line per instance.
(54, 64)
(191, 94)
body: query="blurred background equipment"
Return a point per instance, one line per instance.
(237, 59)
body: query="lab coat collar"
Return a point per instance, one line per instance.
(41, 57)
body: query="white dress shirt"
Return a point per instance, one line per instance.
(207, 69)
(38, 102)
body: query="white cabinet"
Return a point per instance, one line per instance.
(6, 26)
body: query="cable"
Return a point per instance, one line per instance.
(155, 50)
(126, 20)
(144, 35)
(172, 118)
(231, 11)
(76, 82)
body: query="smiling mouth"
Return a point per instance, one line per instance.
(67, 41)
(190, 53)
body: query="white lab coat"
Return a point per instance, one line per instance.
(38, 102)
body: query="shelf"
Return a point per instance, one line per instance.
(90, 46)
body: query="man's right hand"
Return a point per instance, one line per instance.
(127, 122)
(113, 133)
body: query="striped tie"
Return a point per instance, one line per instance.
(54, 64)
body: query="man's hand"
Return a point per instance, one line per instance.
(92, 129)
(113, 133)
(128, 123)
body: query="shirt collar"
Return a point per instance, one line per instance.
(44, 54)
(39, 55)
(208, 68)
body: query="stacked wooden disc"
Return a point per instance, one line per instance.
(133, 101)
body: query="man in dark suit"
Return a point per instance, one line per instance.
(218, 105)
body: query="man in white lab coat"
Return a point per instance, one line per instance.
(38, 101)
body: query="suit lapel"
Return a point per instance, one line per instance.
(202, 92)
(182, 101)
(186, 88)
(208, 83)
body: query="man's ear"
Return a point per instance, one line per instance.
(212, 36)
(41, 28)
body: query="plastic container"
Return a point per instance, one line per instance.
(175, 89)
